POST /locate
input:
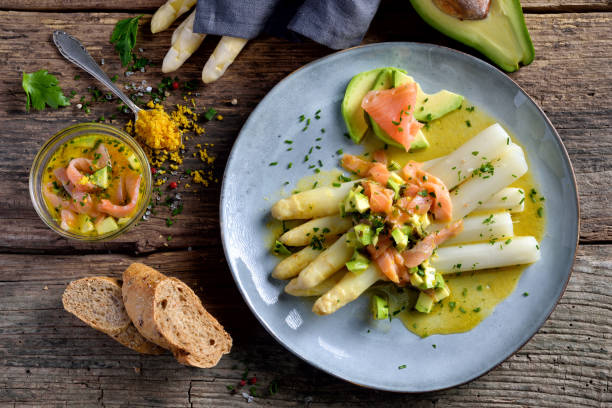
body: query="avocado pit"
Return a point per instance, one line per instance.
(464, 9)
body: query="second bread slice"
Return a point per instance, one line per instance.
(167, 312)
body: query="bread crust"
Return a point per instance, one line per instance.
(142, 299)
(125, 334)
(139, 285)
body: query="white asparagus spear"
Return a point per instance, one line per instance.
(430, 163)
(510, 167)
(486, 146)
(319, 289)
(350, 287)
(514, 251)
(326, 226)
(318, 202)
(184, 43)
(326, 264)
(510, 199)
(294, 263)
(483, 228)
(167, 13)
(222, 57)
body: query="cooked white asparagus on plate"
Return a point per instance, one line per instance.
(326, 226)
(472, 257)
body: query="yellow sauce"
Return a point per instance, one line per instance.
(474, 295)
(445, 135)
(118, 152)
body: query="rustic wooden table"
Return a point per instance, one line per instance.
(49, 358)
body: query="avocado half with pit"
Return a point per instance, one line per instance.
(501, 36)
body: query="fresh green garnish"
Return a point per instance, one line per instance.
(124, 38)
(210, 113)
(41, 89)
(280, 249)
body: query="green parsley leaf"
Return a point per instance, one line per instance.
(124, 38)
(41, 89)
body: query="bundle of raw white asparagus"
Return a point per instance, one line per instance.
(321, 272)
(185, 42)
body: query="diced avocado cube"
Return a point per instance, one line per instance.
(87, 141)
(364, 234)
(352, 240)
(85, 224)
(429, 278)
(416, 280)
(424, 303)
(101, 178)
(107, 225)
(123, 220)
(358, 263)
(400, 238)
(133, 162)
(412, 270)
(393, 165)
(395, 183)
(380, 308)
(356, 202)
(439, 281)
(441, 293)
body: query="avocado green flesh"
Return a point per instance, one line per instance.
(352, 112)
(107, 225)
(502, 36)
(385, 81)
(429, 107)
(101, 178)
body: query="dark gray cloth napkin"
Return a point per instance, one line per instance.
(335, 23)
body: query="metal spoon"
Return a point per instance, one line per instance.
(75, 52)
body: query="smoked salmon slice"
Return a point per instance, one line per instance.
(381, 199)
(392, 110)
(379, 173)
(355, 165)
(424, 248)
(132, 186)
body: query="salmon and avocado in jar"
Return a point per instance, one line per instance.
(93, 185)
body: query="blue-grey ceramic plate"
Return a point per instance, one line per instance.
(340, 344)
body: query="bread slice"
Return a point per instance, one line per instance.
(97, 302)
(139, 284)
(165, 310)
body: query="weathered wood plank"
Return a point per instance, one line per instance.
(49, 357)
(571, 79)
(148, 5)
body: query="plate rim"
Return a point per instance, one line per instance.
(409, 44)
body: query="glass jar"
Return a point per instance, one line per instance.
(48, 150)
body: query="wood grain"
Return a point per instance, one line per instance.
(570, 79)
(151, 5)
(50, 357)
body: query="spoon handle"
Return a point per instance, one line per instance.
(75, 52)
